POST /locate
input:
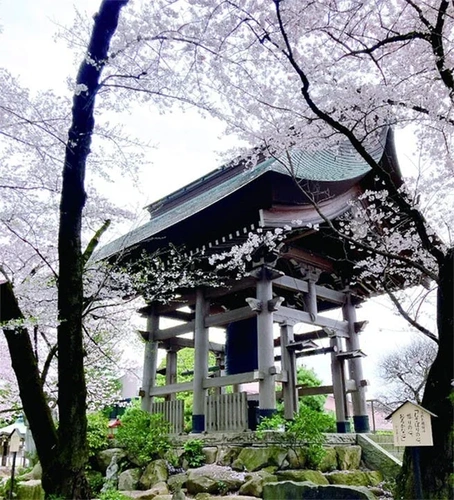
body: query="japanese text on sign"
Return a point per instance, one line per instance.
(412, 426)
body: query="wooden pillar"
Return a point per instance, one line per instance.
(200, 363)
(149, 362)
(265, 344)
(220, 362)
(355, 369)
(171, 370)
(288, 361)
(339, 392)
(311, 301)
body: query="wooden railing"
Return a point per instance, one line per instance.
(226, 412)
(173, 412)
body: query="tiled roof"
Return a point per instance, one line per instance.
(323, 166)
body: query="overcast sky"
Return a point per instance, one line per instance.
(186, 145)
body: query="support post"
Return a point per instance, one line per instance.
(265, 344)
(150, 362)
(312, 299)
(288, 361)
(355, 369)
(220, 362)
(171, 370)
(337, 373)
(200, 362)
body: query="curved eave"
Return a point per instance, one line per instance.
(319, 166)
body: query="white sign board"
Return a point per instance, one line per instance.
(14, 441)
(412, 426)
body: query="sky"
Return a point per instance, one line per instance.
(185, 146)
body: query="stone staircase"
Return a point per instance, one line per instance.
(386, 441)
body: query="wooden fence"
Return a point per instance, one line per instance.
(226, 412)
(173, 412)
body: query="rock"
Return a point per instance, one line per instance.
(178, 495)
(35, 473)
(160, 488)
(129, 479)
(290, 490)
(314, 476)
(213, 479)
(202, 496)
(238, 465)
(254, 483)
(201, 484)
(377, 458)
(155, 472)
(349, 477)
(297, 457)
(234, 497)
(329, 461)
(348, 457)
(378, 492)
(227, 455)
(355, 477)
(210, 454)
(207, 496)
(374, 477)
(104, 458)
(30, 490)
(257, 458)
(177, 481)
(150, 494)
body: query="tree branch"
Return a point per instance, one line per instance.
(408, 318)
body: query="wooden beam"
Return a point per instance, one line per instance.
(301, 345)
(232, 287)
(282, 376)
(174, 331)
(301, 337)
(315, 391)
(171, 389)
(179, 315)
(323, 389)
(183, 342)
(299, 285)
(286, 313)
(239, 378)
(357, 353)
(189, 299)
(314, 352)
(227, 317)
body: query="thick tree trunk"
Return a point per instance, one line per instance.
(30, 387)
(72, 430)
(437, 461)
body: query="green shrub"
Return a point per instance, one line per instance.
(97, 426)
(144, 436)
(272, 423)
(193, 452)
(112, 495)
(6, 486)
(95, 480)
(308, 428)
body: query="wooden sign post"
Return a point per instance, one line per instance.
(14, 446)
(412, 426)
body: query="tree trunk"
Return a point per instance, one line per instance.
(31, 391)
(437, 460)
(72, 429)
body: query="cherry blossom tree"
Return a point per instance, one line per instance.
(283, 75)
(62, 452)
(286, 75)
